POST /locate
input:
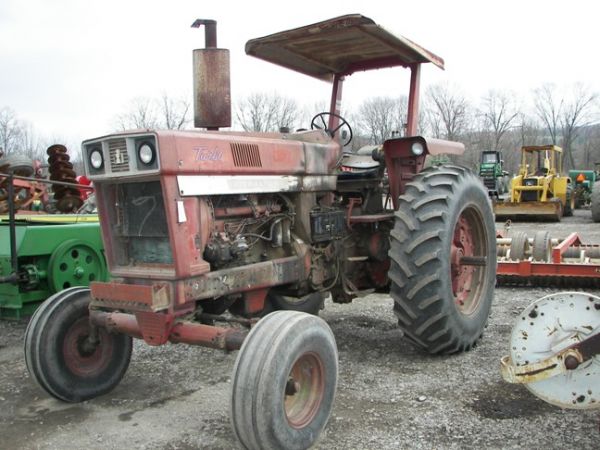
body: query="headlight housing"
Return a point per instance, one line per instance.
(146, 153)
(417, 148)
(96, 159)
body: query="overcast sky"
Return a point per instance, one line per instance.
(69, 67)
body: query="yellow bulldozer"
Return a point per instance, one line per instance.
(539, 191)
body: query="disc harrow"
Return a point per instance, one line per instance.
(544, 261)
(61, 169)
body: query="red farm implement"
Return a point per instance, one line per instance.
(543, 261)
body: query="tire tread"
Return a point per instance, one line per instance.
(417, 287)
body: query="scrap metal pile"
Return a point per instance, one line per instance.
(60, 191)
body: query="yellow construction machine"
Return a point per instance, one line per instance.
(539, 190)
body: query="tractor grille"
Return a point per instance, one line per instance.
(490, 183)
(245, 155)
(119, 159)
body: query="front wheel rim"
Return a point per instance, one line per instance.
(81, 359)
(304, 390)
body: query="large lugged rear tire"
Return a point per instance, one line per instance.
(58, 356)
(443, 260)
(284, 382)
(595, 198)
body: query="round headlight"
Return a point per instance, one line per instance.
(146, 153)
(96, 159)
(417, 148)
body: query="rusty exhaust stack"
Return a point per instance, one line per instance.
(212, 92)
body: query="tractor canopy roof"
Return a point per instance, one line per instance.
(339, 46)
(541, 148)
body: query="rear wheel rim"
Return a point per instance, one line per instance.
(304, 390)
(468, 240)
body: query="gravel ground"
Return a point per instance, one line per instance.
(389, 396)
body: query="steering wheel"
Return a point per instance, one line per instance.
(320, 118)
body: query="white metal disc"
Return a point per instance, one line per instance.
(548, 326)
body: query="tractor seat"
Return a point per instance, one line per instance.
(353, 165)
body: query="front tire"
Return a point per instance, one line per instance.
(284, 382)
(58, 356)
(443, 254)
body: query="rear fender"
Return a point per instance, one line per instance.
(403, 163)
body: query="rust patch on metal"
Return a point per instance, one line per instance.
(155, 327)
(131, 296)
(246, 278)
(212, 93)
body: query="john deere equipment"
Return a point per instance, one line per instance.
(51, 253)
(583, 182)
(539, 190)
(492, 173)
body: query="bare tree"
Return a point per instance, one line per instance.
(591, 144)
(447, 111)
(164, 113)
(575, 114)
(18, 136)
(141, 113)
(30, 144)
(174, 112)
(431, 122)
(381, 117)
(499, 113)
(267, 112)
(10, 131)
(526, 131)
(548, 106)
(564, 113)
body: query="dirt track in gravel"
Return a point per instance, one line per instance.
(389, 395)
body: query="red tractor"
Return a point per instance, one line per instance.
(228, 239)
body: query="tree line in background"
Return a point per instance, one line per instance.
(564, 116)
(18, 136)
(500, 120)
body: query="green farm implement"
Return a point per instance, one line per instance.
(52, 253)
(584, 181)
(41, 254)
